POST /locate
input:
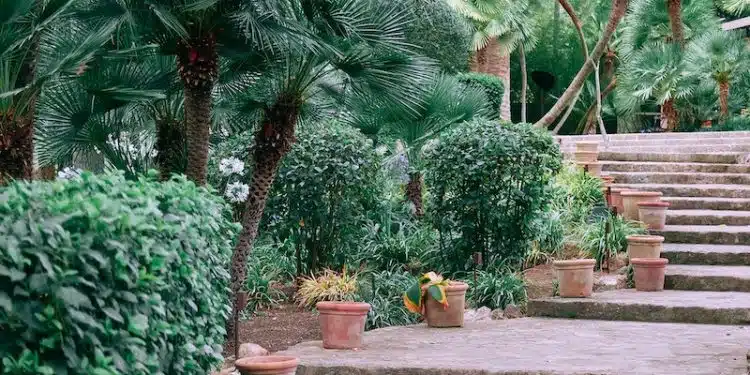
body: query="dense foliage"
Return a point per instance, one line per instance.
(439, 33)
(100, 275)
(492, 86)
(489, 183)
(496, 290)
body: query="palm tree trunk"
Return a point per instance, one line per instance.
(171, 147)
(414, 193)
(619, 8)
(16, 147)
(524, 81)
(272, 141)
(479, 60)
(675, 21)
(724, 100)
(498, 64)
(669, 117)
(198, 66)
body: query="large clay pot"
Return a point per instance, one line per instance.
(593, 168)
(342, 323)
(616, 199)
(648, 273)
(267, 365)
(584, 146)
(575, 277)
(453, 316)
(631, 198)
(653, 214)
(644, 246)
(586, 156)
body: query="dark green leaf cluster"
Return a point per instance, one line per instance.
(492, 86)
(384, 291)
(496, 290)
(99, 275)
(489, 182)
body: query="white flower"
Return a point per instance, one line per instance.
(231, 166)
(237, 192)
(154, 153)
(68, 173)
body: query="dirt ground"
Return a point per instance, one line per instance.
(278, 329)
(539, 281)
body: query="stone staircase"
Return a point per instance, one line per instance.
(706, 179)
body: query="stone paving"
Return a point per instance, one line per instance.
(538, 346)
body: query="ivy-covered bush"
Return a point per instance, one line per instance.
(491, 85)
(99, 275)
(489, 182)
(322, 192)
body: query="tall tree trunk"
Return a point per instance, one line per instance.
(498, 64)
(669, 117)
(478, 60)
(16, 147)
(414, 193)
(272, 141)
(198, 66)
(588, 118)
(524, 81)
(171, 146)
(619, 7)
(674, 7)
(724, 100)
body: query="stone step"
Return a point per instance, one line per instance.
(704, 254)
(693, 190)
(667, 306)
(628, 166)
(681, 178)
(707, 217)
(722, 158)
(705, 234)
(708, 278)
(694, 148)
(708, 203)
(649, 136)
(566, 143)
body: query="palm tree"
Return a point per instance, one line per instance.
(735, 7)
(674, 8)
(720, 56)
(40, 43)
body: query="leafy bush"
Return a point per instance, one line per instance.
(734, 123)
(576, 193)
(384, 291)
(330, 286)
(549, 240)
(269, 266)
(491, 85)
(99, 275)
(440, 33)
(496, 290)
(489, 184)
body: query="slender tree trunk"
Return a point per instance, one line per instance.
(577, 24)
(198, 66)
(724, 100)
(171, 146)
(619, 8)
(669, 117)
(588, 117)
(272, 141)
(16, 147)
(674, 7)
(524, 81)
(414, 193)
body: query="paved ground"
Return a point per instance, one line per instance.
(540, 347)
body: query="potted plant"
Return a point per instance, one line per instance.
(592, 168)
(575, 277)
(267, 365)
(644, 246)
(586, 156)
(584, 146)
(648, 273)
(653, 214)
(631, 198)
(439, 300)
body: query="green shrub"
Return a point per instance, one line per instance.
(99, 275)
(593, 238)
(269, 266)
(492, 86)
(384, 291)
(496, 290)
(549, 238)
(489, 183)
(575, 194)
(734, 123)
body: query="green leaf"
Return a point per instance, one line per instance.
(437, 292)
(6, 303)
(14, 274)
(113, 314)
(138, 324)
(73, 297)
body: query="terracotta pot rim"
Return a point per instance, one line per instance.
(653, 204)
(342, 306)
(587, 152)
(650, 262)
(574, 263)
(267, 362)
(619, 190)
(637, 193)
(583, 163)
(457, 286)
(645, 238)
(587, 143)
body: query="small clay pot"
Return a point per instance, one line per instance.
(575, 277)
(616, 199)
(607, 179)
(706, 124)
(584, 146)
(439, 317)
(653, 214)
(631, 198)
(649, 273)
(342, 323)
(267, 365)
(586, 156)
(645, 246)
(592, 168)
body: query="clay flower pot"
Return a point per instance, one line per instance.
(631, 198)
(706, 124)
(453, 316)
(607, 179)
(586, 156)
(653, 214)
(342, 323)
(648, 273)
(575, 277)
(644, 246)
(616, 199)
(587, 146)
(267, 365)
(593, 168)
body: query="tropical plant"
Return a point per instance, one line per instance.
(575, 193)
(270, 267)
(496, 290)
(429, 285)
(735, 7)
(384, 292)
(492, 86)
(604, 238)
(329, 286)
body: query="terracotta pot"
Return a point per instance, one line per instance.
(586, 156)
(648, 273)
(631, 198)
(342, 323)
(593, 168)
(616, 199)
(575, 277)
(267, 365)
(607, 179)
(644, 246)
(706, 124)
(653, 214)
(453, 316)
(587, 146)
